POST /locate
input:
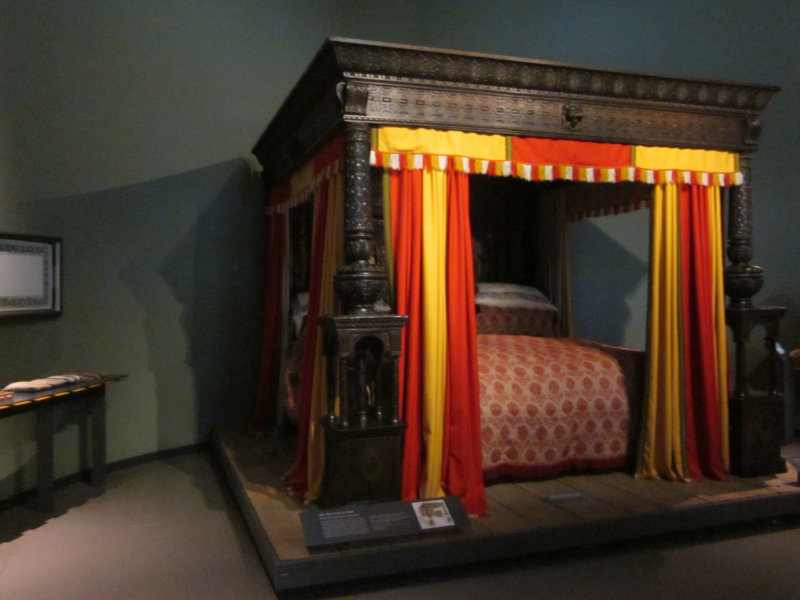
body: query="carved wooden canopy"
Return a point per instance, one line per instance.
(385, 84)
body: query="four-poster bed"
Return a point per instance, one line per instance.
(388, 143)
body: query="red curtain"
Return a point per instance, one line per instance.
(462, 460)
(462, 473)
(703, 426)
(297, 480)
(406, 223)
(567, 152)
(264, 409)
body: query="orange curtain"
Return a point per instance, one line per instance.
(567, 152)
(406, 226)
(462, 473)
(432, 265)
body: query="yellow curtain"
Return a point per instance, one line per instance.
(721, 328)
(684, 159)
(685, 426)
(434, 295)
(333, 258)
(662, 451)
(431, 141)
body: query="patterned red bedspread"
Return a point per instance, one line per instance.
(549, 406)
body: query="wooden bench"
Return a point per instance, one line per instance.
(92, 393)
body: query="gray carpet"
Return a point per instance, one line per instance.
(169, 529)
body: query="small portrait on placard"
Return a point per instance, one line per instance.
(432, 514)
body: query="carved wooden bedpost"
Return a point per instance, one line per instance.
(360, 282)
(364, 440)
(742, 280)
(756, 418)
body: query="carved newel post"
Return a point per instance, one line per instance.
(363, 432)
(756, 418)
(742, 280)
(360, 282)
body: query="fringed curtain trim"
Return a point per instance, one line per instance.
(551, 172)
(540, 159)
(302, 184)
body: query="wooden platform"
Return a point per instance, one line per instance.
(524, 518)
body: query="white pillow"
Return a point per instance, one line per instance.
(299, 310)
(300, 302)
(511, 295)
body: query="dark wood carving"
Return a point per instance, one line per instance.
(742, 280)
(756, 417)
(364, 437)
(351, 80)
(360, 282)
(489, 112)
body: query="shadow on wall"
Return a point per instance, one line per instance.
(213, 271)
(162, 281)
(221, 298)
(609, 285)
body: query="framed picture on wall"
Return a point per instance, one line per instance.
(30, 275)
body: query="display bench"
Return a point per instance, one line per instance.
(91, 394)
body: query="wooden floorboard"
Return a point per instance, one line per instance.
(524, 517)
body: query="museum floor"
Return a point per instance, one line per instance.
(171, 528)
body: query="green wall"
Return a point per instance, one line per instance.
(161, 281)
(125, 129)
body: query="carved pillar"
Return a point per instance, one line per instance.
(742, 280)
(360, 282)
(364, 439)
(755, 417)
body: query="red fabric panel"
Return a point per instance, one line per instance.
(462, 473)
(280, 193)
(406, 210)
(264, 409)
(689, 332)
(331, 152)
(702, 395)
(541, 151)
(298, 479)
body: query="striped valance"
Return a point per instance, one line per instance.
(536, 159)
(551, 172)
(532, 159)
(305, 181)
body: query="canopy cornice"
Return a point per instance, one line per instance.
(410, 86)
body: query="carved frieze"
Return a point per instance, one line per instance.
(417, 65)
(378, 83)
(547, 116)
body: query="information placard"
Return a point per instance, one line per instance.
(362, 522)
